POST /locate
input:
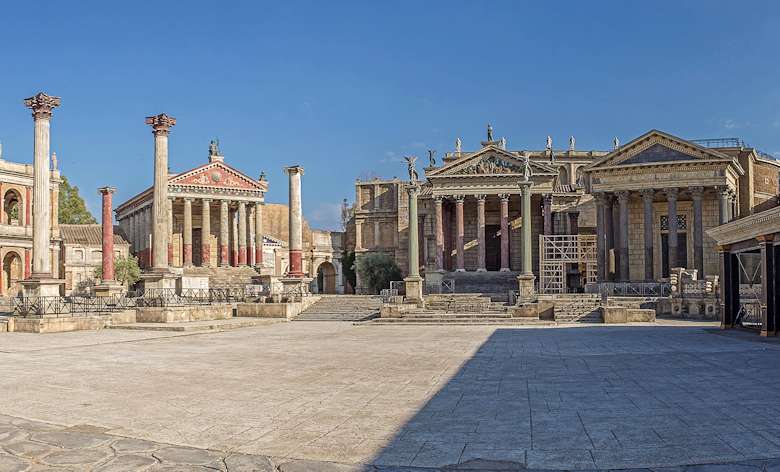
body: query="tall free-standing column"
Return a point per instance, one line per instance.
(258, 234)
(42, 106)
(439, 222)
(723, 204)
(481, 233)
(671, 198)
(108, 235)
(609, 233)
(647, 200)
(459, 239)
(161, 125)
(241, 233)
(414, 251)
(187, 232)
(205, 233)
(223, 233)
(170, 231)
(296, 222)
(504, 232)
(601, 242)
(698, 231)
(526, 246)
(623, 212)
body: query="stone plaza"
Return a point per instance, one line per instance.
(311, 396)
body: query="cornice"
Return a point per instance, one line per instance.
(750, 227)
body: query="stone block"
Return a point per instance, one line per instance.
(640, 315)
(614, 314)
(60, 324)
(526, 310)
(172, 314)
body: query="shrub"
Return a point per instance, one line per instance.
(377, 271)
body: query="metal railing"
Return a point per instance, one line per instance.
(749, 315)
(630, 289)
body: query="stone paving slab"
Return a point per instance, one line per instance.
(333, 396)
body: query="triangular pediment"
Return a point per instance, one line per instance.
(217, 175)
(490, 160)
(656, 147)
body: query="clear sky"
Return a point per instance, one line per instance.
(346, 88)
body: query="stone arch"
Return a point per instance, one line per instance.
(563, 176)
(13, 273)
(326, 278)
(13, 208)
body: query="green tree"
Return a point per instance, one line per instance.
(348, 267)
(126, 270)
(377, 271)
(72, 209)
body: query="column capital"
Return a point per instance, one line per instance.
(242, 203)
(161, 124)
(412, 190)
(547, 198)
(459, 198)
(671, 193)
(697, 192)
(42, 105)
(188, 199)
(623, 196)
(480, 198)
(206, 200)
(648, 193)
(291, 170)
(106, 190)
(438, 199)
(765, 238)
(723, 248)
(504, 197)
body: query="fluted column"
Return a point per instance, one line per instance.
(250, 235)
(647, 200)
(439, 222)
(187, 232)
(601, 242)
(526, 246)
(609, 233)
(42, 106)
(108, 235)
(459, 237)
(258, 234)
(234, 244)
(170, 232)
(547, 211)
(671, 198)
(504, 232)
(224, 229)
(723, 204)
(481, 233)
(242, 233)
(161, 125)
(697, 193)
(414, 251)
(623, 244)
(205, 233)
(296, 222)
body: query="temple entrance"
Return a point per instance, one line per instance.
(493, 247)
(682, 252)
(326, 278)
(12, 274)
(197, 247)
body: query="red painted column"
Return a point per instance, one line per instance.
(461, 267)
(108, 235)
(439, 221)
(504, 232)
(27, 268)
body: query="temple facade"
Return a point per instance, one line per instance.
(628, 214)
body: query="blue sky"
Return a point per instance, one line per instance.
(346, 88)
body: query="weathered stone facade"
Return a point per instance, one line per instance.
(82, 252)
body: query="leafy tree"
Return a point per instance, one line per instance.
(72, 209)
(126, 270)
(378, 270)
(348, 267)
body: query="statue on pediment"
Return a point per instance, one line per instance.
(503, 144)
(458, 145)
(214, 148)
(571, 143)
(549, 143)
(616, 143)
(431, 158)
(527, 169)
(489, 132)
(411, 161)
(490, 165)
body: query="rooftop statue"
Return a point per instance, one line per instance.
(549, 143)
(431, 158)
(411, 160)
(616, 142)
(503, 144)
(458, 145)
(490, 132)
(571, 143)
(527, 169)
(214, 148)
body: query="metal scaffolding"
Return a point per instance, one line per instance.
(556, 252)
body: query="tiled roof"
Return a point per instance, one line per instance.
(89, 234)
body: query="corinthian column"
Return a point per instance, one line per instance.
(439, 222)
(205, 233)
(623, 243)
(42, 106)
(187, 232)
(241, 233)
(504, 232)
(671, 197)
(161, 125)
(296, 222)
(258, 234)
(223, 233)
(459, 237)
(481, 233)
(647, 197)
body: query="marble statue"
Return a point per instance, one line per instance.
(214, 148)
(526, 169)
(345, 213)
(616, 142)
(431, 158)
(503, 144)
(262, 176)
(549, 143)
(489, 132)
(458, 145)
(571, 143)
(411, 161)
(54, 161)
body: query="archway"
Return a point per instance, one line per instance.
(12, 208)
(326, 278)
(12, 273)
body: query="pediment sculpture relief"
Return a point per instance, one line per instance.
(491, 165)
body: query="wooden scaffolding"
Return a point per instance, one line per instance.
(558, 251)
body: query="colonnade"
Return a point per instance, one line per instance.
(613, 232)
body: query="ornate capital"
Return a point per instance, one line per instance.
(42, 105)
(648, 194)
(481, 198)
(437, 199)
(547, 199)
(697, 192)
(623, 196)
(161, 124)
(723, 248)
(296, 169)
(459, 198)
(765, 238)
(504, 197)
(671, 193)
(106, 190)
(723, 191)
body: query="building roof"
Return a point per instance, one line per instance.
(91, 235)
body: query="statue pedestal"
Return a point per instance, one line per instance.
(159, 279)
(525, 288)
(42, 287)
(294, 288)
(414, 289)
(108, 289)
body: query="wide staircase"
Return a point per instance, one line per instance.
(459, 309)
(342, 308)
(224, 277)
(577, 308)
(495, 285)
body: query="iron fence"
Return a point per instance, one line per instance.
(630, 289)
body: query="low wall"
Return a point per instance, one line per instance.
(59, 325)
(275, 310)
(620, 314)
(172, 314)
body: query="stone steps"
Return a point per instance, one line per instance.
(342, 308)
(577, 308)
(196, 326)
(453, 319)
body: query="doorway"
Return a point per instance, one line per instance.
(493, 247)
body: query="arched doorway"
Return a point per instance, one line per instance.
(12, 273)
(326, 278)
(12, 208)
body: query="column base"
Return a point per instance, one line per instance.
(159, 279)
(481, 270)
(414, 289)
(108, 288)
(42, 286)
(525, 288)
(460, 270)
(505, 269)
(293, 288)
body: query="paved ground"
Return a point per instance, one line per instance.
(305, 396)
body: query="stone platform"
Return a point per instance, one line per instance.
(190, 326)
(174, 314)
